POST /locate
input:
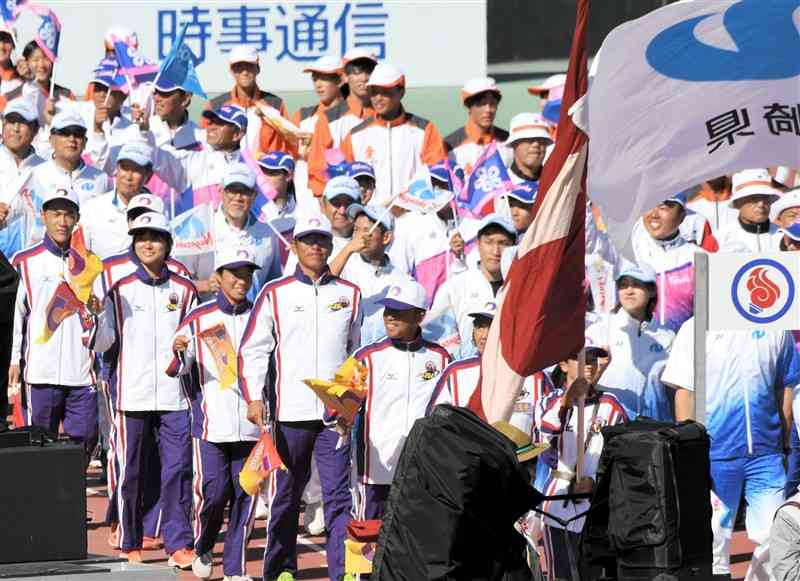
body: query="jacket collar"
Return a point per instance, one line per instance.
(142, 275)
(229, 308)
(518, 172)
(415, 345)
(476, 135)
(670, 243)
(54, 248)
(723, 196)
(357, 108)
(762, 228)
(397, 121)
(324, 279)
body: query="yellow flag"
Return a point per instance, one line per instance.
(219, 343)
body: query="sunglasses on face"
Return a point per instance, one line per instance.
(72, 132)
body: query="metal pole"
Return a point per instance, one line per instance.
(700, 330)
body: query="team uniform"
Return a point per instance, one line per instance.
(401, 380)
(466, 145)
(140, 317)
(717, 210)
(746, 372)
(300, 329)
(222, 436)
(750, 237)
(13, 237)
(57, 373)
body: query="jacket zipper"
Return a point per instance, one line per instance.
(391, 181)
(408, 386)
(237, 392)
(316, 340)
(61, 329)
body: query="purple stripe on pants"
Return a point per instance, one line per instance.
(375, 498)
(216, 468)
(75, 407)
(134, 440)
(296, 441)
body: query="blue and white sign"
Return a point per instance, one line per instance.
(754, 291)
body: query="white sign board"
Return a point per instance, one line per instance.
(288, 35)
(753, 290)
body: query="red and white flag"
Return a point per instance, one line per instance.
(540, 317)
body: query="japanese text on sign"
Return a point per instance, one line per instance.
(777, 118)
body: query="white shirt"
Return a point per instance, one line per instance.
(105, 225)
(718, 214)
(734, 238)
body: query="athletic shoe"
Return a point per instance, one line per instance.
(151, 543)
(202, 565)
(314, 519)
(285, 576)
(262, 510)
(238, 578)
(133, 556)
(182, 559)
(113, 537)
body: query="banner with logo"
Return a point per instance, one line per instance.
(688, 92)
(753, 290)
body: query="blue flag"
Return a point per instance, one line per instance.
(487, 181)
(9, 10)
(177, 69)
(133, 64)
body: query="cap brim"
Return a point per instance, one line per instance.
(239, 264)
(465, 95)
(538, 90)
(138, 229)
(322, 71)
(305, 233)
(481, 314)
(65, 199)
(238, 183)
(139, 162)
(166, 88)
(530, 451)
(396, 305)
(520, 199)
(401, 82)
(359, 174)
(504, 227)
(529, 135)
(20, 115)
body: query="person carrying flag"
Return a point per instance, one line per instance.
(481, 97)
(170, 122)
(206, 344)
(49, 351)
(529, 138)
(303, 325)
(147, 399)
(402, 371)
(414, 141)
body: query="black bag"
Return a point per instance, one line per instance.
(456, 494)
(653, 507)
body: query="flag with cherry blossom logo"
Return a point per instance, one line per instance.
(48, 34)
(487, 181)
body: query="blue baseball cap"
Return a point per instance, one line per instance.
(166, 85)
(642, 272)
(277, 160)
(342, 185)
(108, 78)
(679, 198)
(359, 168)
(793, 231)
(496, 219)
(239, 173)
(374, 213)
(441, 172)
(229, 114)
(525, 192)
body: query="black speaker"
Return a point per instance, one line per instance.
(43, 503)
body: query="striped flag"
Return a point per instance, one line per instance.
(540, 317)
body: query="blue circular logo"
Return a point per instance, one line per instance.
(762, 291)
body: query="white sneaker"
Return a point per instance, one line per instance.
(262, 510)
(314, 519)
(237, 578)
(202, 566)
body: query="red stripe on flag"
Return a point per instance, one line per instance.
(541, 310)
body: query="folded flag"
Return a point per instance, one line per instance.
(178, 67)
(62, 304)
(262, 461)
(346, 392)
(272, 117)
(83, 266)
(133, 64)
(421, 196)
(219, 343)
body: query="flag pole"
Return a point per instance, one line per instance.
(53, 79)
(581, 435)
(383, 215)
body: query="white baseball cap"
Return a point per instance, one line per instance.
(23, 107)
(752, 182)
(67, 117)
(528, 126)
(312, 224)
(239, 173)
(139, 152)
(374, 213)
(61, 194)
(790, 199)
(549, 83)
(150, 221)
(487, 309)
(327, 65)
(146, 203)
(235, 257)
(405, 295)
(496, 219)
(243, 54)
(356, 54)
(387, 76)
(477, 86)
(342, 185)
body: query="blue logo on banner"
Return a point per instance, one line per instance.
(757, 296)
(766, 38)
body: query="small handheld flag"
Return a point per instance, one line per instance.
(487, 181)
(133, 64)
(178, 68)
(219, 343)
(62, 304)
(84, 266)
(262, 461)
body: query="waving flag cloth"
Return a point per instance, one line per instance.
(488, 180)
(541, 308)
(262, 461)
(9, 10)
(48, 34)
(223, 353)
(62, 304)
(83, 266)
(178, 67)
(665, 65)
(133, 64)
(192, 231)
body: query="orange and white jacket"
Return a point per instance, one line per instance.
(395, 149)
(466, 144)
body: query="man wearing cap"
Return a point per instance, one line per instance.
(105, 219)
(17, 158)
(753, 194)
(140, 315)
(459, 380)
(10, 80)
(529, 138)
(520, 205)
(402, 369)
(750, 378)
(394, 142)
(365, 176)
(460, 293)
(786, 210)
(713, 202)
(332, 127)
(58, 375)
(222, 436)
(302, 326)
(170, 121)
(244, 66)
(278, 169)
(550, 83)
(480, 97)
(235, 226)
(103, 113)
(364, 262)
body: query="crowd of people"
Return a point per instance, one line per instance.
(179, 358)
